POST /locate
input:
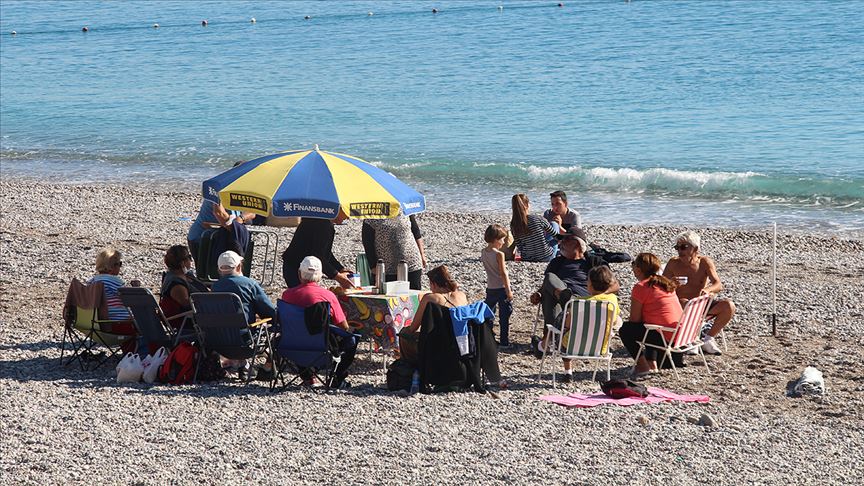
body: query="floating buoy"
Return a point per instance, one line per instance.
(155, 26)
(434, 10)
(307, 17)
(85, 29)
(370, 14)
(204, 23)
(500, 7)
(13, 33)
(252, 20)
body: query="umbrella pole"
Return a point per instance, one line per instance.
(774, 284)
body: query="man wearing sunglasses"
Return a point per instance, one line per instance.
(697, 275)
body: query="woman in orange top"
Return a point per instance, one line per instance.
(653, 301)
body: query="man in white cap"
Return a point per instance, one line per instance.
(254, 299)
(308, 293)
(697, 275)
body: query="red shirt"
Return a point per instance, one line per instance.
(311, 293)
(658, 306)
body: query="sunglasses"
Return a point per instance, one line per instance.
(682, 246)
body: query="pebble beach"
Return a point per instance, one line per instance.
(60, 425)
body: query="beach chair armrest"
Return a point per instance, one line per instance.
(552, 329)
(180, 315)
(261, 322)
(658, 327)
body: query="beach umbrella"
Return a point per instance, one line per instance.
(313, 184)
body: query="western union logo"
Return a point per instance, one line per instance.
(246, 201)
(369, 209)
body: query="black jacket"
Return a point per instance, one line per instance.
(313, 237)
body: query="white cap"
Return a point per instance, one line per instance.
(229, 260)
(310, 268)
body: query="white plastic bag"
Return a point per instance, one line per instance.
(130, 369)
(152, 363)
(811, 383)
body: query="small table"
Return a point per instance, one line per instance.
(381, 317)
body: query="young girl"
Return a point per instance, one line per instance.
(497, 282)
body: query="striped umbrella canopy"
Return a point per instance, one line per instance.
(313, 184)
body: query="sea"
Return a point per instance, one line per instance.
(700, 113)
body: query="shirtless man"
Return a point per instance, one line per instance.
(699, 271)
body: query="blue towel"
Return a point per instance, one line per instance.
(462, 316)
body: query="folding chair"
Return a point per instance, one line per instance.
(85, 330)
(590, 329)
(222, 328)
(304, 343)
(208, 269)
(149, 320)
(686, 335)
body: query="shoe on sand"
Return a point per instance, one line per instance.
(709, 346)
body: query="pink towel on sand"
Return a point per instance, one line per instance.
(655, 395)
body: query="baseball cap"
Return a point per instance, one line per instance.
(310, 267)
(572, 232)
(229, 260)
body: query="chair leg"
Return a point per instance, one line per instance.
(596, 367)
(702, 355)
(609, 368)
(723, 339)
(668, 354)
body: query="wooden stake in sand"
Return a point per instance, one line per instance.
(774, 284)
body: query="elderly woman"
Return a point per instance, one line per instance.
(109, 262)
(531, 232)
(178, 283)
(653, 301)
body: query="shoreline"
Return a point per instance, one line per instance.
(51, 233)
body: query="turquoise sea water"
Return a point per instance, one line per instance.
(730, 113)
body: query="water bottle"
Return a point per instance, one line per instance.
(379, 276)
(402, 271)
(415, 382)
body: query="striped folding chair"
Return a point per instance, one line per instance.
(585, 336)
(686, 336)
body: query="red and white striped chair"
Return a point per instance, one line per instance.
(686, 336)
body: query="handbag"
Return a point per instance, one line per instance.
(130, 369)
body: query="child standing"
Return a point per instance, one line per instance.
(497, 282)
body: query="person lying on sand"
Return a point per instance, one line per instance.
(694, 273)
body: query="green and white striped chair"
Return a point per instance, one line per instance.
(586, 337)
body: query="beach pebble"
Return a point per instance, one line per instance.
(643, 420)
(706, 420)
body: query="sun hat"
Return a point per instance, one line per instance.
(229, 260)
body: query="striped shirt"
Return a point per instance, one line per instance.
(533, 246)
(110, 283)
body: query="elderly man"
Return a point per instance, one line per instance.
(697, 275)
(308, 293)
(566, 276)
(252, 296)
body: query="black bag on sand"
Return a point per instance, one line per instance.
(623, 389)
(399, 375)
(211, 368)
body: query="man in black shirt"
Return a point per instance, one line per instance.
(314, 237)
(566, 275)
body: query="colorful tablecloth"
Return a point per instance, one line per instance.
(380, 317)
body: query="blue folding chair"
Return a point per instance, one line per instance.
(304, 344)
(222, 328)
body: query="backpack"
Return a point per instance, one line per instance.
(179, 366)
(618, 389)
(399, 375)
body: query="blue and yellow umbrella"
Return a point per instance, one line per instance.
(313, 184)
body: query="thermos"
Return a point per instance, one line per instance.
(402, 271)
(379, 276)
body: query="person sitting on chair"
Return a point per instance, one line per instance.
(566, 276)
(600, 281)
(653, 301)
(177, 283)
(694, 273)
(444, 292)
(255, 302)
(308, 293)
(109, 262)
